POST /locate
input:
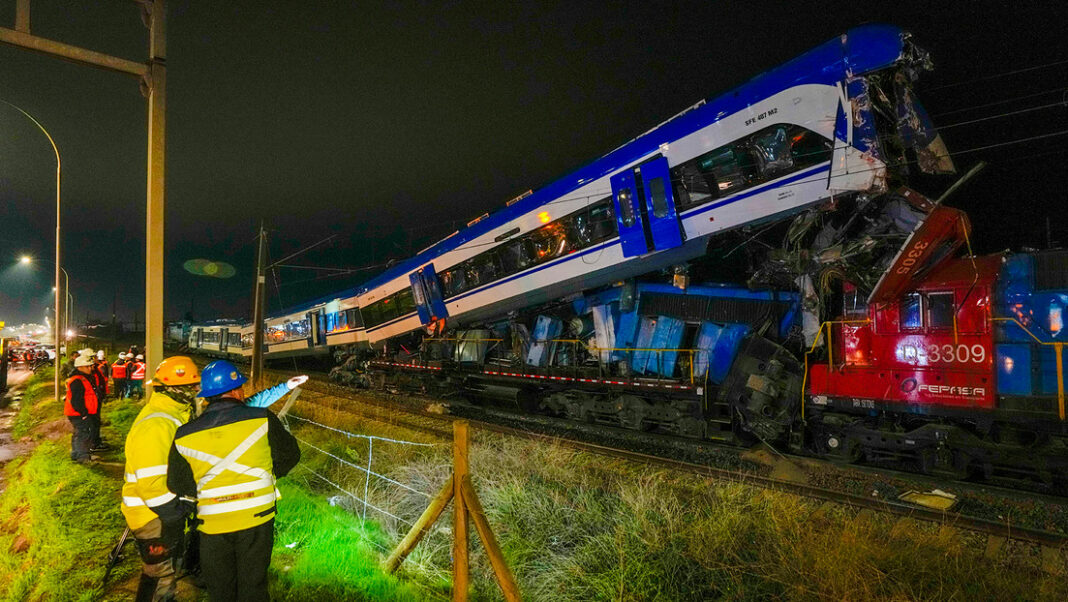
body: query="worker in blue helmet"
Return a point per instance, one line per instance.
(229, 460)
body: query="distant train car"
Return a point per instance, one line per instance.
(221, 338)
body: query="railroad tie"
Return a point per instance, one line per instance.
(994, 545)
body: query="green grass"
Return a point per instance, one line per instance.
(60, 520)
(573, 526)
(66, 517)
(323, 552)
(36, 403)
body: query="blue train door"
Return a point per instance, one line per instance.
(426, 290)
(645, 209)
(315, 324)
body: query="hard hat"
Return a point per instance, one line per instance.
(140, 357)
(177, 370)
(122, 355)
(84, 359)
(218, 378)
(100, 354)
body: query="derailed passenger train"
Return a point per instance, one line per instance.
(580, 298)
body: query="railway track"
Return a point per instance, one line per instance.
(437, 424)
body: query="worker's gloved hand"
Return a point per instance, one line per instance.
(296, 381)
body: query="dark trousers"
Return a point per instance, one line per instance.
(94, 432)
(120, 388)
(81, 439)
(234, 565)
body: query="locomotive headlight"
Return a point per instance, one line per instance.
(1008, 363)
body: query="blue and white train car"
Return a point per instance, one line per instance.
(836, 120)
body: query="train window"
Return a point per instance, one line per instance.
(405, 302)
(626, 207)
(692, 188)
(940, 310)
(551, 241)
(355, 320)
(731, 167)
(454, 281)
(517, 255)
(765, 155)
(772, 152)
(659, 197)
(481, 269)
(910, 312)
(808, 148)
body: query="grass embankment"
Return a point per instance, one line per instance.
(575, 526)
(60, 520)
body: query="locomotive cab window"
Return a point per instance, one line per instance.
(940, 310)
(911, 317)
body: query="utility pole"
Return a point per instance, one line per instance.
(258, 299)
(152, 76)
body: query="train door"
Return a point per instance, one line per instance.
(426, 291)
(222, 339)
(318, 333)
(645, 208)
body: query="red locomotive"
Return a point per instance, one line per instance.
(952, 363)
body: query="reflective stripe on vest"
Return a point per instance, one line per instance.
(118, 370)
(138, 371)
(238, 496)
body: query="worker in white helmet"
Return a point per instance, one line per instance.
(118, 374)
(136, 372)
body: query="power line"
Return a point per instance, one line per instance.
(998, 75)
(1061, 90)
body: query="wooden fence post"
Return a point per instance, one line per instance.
(421, 526)
(500, 567)
(460, 567)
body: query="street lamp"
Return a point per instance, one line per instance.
(59, 303)
(27, 260)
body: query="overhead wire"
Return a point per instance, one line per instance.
(998, 75)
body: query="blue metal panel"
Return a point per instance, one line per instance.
(726, 348)
(1014, 369)
(545, 328)
(660, 205)
(628, 214)
(639, 359)
(419, 294)
(666, 335)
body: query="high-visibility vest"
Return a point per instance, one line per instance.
(138, 371)
(118, 370)
(148, 445)
(232, 467)
(91, 402)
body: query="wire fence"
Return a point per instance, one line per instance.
(365, 470)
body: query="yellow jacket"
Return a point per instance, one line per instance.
(145, 495)
(229, 459)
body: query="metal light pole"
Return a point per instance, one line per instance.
(57, 339)
(152, 74)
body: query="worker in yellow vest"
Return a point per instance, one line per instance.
(229, 459)
(154, 514)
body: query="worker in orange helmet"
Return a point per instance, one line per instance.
(154, 514)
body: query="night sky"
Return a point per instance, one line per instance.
(389, 124)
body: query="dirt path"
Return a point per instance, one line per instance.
(9, 409)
